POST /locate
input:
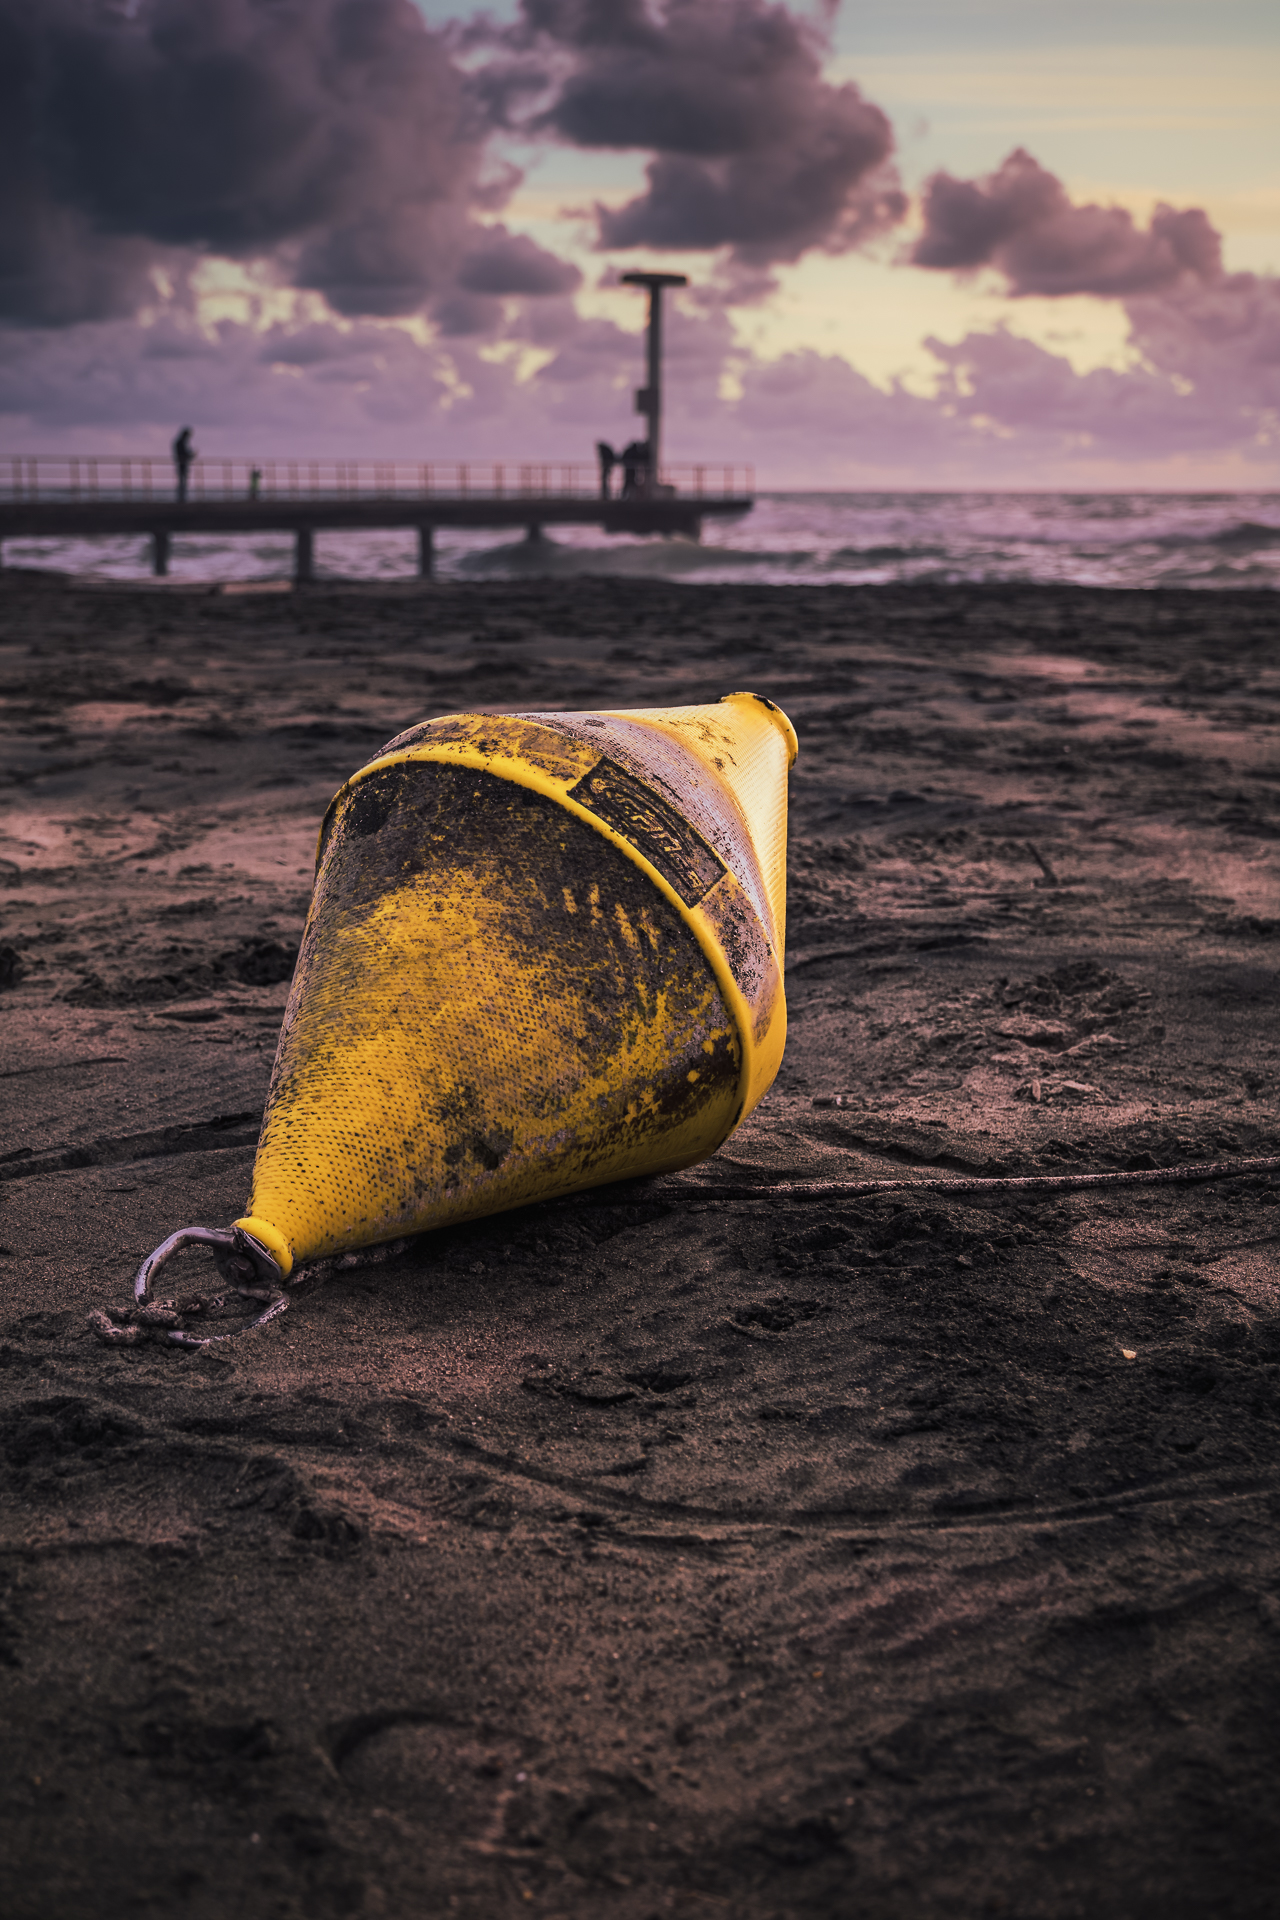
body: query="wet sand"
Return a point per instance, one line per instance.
(661, 1551)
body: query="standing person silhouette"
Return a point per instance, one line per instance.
(635, 470)
(608, 461)
(183, 455)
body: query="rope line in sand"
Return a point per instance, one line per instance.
(992, 1183)
(127, 1326)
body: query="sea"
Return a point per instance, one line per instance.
(1134, 540)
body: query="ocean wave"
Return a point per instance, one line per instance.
(884, 555)
(662, 557)
(1133, 541)
(1243, 536)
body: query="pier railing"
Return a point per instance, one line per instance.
(138, 478)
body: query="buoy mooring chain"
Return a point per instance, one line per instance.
(240, 1262)
(544, 954)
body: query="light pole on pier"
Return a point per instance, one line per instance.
(649, 398)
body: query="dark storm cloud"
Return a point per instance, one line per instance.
(336, 135)
(753, 149)
(1021, 221)
(506, 263)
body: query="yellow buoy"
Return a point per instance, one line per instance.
(544, 951)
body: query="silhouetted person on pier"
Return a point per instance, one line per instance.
(635, 470)
(183, 455)
(608, 461)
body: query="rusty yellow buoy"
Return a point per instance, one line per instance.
(544, 951)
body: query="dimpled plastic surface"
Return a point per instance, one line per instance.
(544, 951)
(723, 769)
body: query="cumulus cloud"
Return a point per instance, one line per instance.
(1013, 387)
(1021, 221)
(345, 152)
(1221, 339)
(309, 388)
(342, 142)
(1205, 377)
(336, 137)
(753, 149)
(317, 386)
(1004, 410)
(505, 262)
(1204, 343)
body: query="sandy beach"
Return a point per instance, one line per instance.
(676, 1549)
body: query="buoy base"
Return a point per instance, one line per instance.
(266, 1246)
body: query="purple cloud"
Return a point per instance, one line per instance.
(753, 149)
(337, 138)
(1021, 221)
(1004, 411)
(504, 263)
(347, 147)
(1206, 377)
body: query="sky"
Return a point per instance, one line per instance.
(939, 243)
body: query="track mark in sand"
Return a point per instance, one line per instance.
(878, 1524)
(869, 1525)
(67, 1066)
(223, 1131)
(814, 959)
(344, 1737)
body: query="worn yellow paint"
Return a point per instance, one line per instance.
(544, 951)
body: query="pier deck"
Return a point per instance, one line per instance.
(87, 498)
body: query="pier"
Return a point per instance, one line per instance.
(89, 497)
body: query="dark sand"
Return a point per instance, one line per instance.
(651, 1553)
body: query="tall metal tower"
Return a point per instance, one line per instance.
(649, 398)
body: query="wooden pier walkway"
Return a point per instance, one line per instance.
(87, 498)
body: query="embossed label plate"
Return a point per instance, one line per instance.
(653, 827)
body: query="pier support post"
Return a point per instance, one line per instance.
(426, 553)
(160, 554)
(304, 554)
(534, 533)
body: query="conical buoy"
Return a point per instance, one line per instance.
(544, 951)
